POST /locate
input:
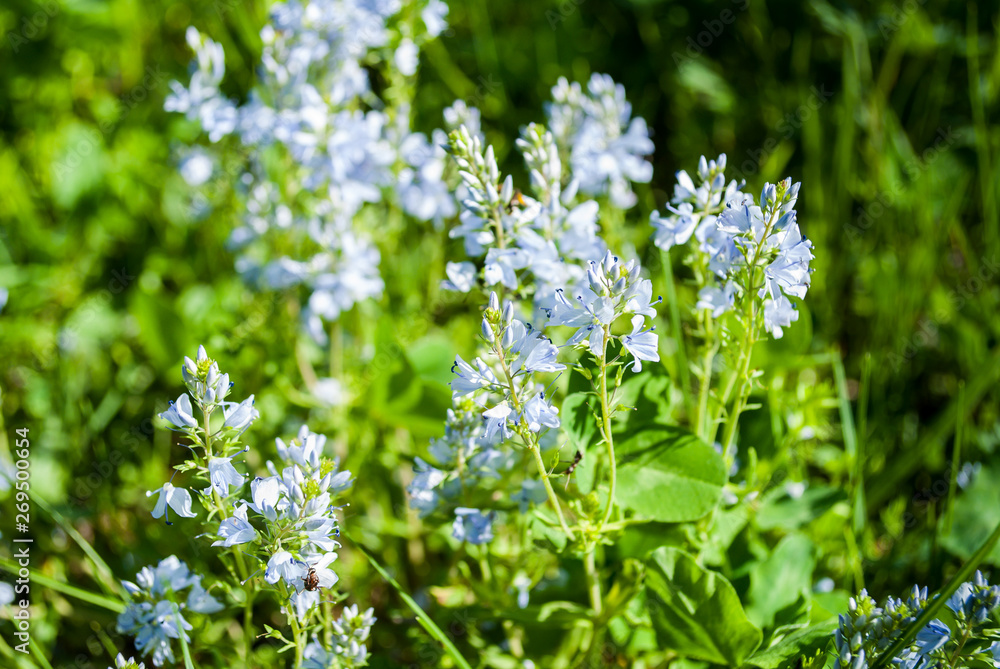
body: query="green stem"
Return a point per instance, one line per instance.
(543, 472)
(606, 428)
(702, 418)
(743, 370)
(531, 441)
(248, 635)
(593, 582)
(680, 352)
(296, 632)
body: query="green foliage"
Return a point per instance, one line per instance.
(669, 475)
(697, 612)
(888, 118)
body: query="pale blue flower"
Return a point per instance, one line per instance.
(502, 265)
(932, 637)
(674, 230)
(497, 421)
(423, 491)
(717, 300)
(180, 415)
(779, 313)
(642, 344)
(265, 493)
(471, 379)
(178, 499)
(200, 601)
(283, 566)
(538, 413)
(473, 525)
(223, 475)
(236, 529)
(461, 276)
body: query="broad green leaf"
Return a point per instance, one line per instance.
(799, 643)
(668, 474)
(780, 510)
(778, 581)
(641, 539)
(726, 526)
(580, 426)
(696, 612)
(976, 513)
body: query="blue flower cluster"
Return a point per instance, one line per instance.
(745, 249)
(537, 245)
(350, 632)
(966, 638)
(316, 145)
(289, 523)
(156, 614)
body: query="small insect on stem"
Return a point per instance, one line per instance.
(577, 457)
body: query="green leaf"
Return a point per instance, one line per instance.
(778, 509)
(799, 643)
(976, 513)
(669, 475)
(780, 580)
(580, 426)
(696, 612)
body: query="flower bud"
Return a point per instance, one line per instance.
(487, 330)
(508, 313)
(507, 190)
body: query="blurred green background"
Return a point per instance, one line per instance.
(887, 113)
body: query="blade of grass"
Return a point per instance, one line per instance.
(939, 600)
(36, 650)
(680, 355)
(69, 590)
(851, 444)
(956, 459)
(861, 436)
(425, 620)
(986, 185)
(107, 576)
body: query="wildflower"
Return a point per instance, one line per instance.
(122, 663)
(497, 421)
(642, 344)
(239, 416)
(284, 566)
(177, 499)
(473, 525)
(471, 379)
(180, 415)
(265, 497)
(538, 413)
(718, 300)
(154, 618)
(223, 475)
(461, 276)
(607, 147)
(236, 529)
